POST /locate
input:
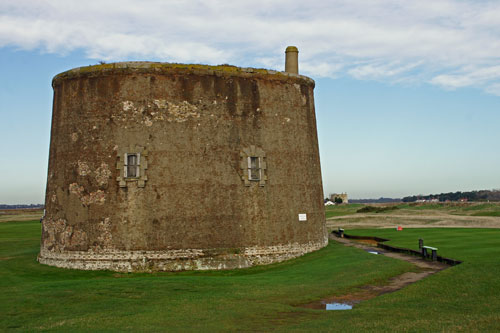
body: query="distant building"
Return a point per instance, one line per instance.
(427, 200)
(342, 196)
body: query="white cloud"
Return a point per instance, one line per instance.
(382, 71)
(322, 69)
(493, 89)
(487, 77)
(450, 43)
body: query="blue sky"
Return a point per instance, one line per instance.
(407, 93)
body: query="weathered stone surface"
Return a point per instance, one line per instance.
(191, 206)
(175, 260)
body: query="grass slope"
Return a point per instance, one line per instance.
(35, 297)
(341, 210)
(454, 208)
(466, 297)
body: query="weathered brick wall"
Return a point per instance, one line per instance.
(191, 124)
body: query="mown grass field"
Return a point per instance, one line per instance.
(17, 215)
(465, 297)
(414, 215)
(468, 209)
(454, 208)
(35, 297)
(341, 210)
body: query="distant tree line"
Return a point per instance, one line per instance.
(483, 195)
(21, 206)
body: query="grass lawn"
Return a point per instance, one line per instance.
(454, 208)
(340, 210)
(38, 297)
(471, 209)
(465, 297)
(35, 297)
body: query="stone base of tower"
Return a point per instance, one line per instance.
(177, 260)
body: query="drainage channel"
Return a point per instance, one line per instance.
(347, 302)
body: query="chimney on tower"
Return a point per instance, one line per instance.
(292, 60)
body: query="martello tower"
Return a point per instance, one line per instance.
(160, 166)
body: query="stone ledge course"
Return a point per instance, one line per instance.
(176, 260)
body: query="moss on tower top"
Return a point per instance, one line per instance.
(164, 67)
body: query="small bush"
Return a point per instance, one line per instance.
(372, 209)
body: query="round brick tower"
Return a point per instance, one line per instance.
(158, 166)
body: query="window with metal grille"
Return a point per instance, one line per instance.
(132, 162)
(254, 170)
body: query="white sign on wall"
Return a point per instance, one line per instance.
(302, 217)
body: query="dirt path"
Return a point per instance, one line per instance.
(394, 284)
(430, 220)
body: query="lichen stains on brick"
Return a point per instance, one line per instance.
(148, 112)
(128, 106)
(83, 168)
(105, 237)
(76, 189)
(96, 197)
(102, 175)
(59, 236)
